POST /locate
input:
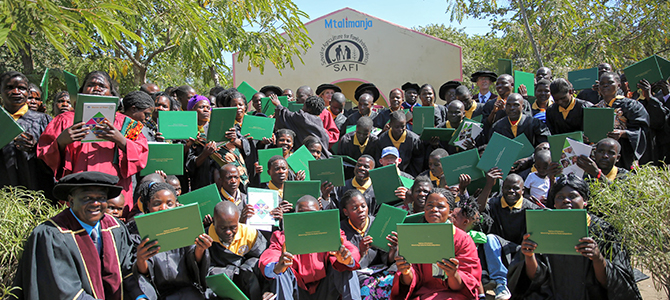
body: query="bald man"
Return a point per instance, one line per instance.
(150, 88)
(516, 123)
(236, 250)
(302, 93)
(543, 73)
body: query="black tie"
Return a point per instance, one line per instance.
(94, 237)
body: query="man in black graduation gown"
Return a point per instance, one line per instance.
(365, 103)
(602, 166)
(471, 107)
(411, 95)
(494, 109)
(227, 179)
(455, 115)
(304, 122)
(632, 126)
(447, 91)
(659, 129)
(567, 113)
(484, 79)
(516, 123)
(362, 183)
(407, 142)
(359, 142)
(81, 253)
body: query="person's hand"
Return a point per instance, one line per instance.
(343, 255)
(364, 245)
(231, 135)
(596, 86)
(492, 175)
(554, 169)
(247, 212)
(393, 244)
(401, 192)
(586, 140)
(326, 189)
(500, 104)
(107, 131)
(286, 206)
(145, 251)
(161, 173)
(248, 137)
(285, 261)
(300, 176)
(403, 266)
(386, 127)
(520, 164)
(74, 133)
(203, 242)
(527, 246)
(449, 266)
(266, 141)
(25, 142)
(645, 87)
(269, 296)
(159, 137)
(189, 144)
(469, 143)
(523, 90)
(258, 168)
(435, 141)
(209, 148)
(277, 213)
(588, 248)
(207, 221)
(275, 100)
(588, 165)
(617, 134)
(464, 181)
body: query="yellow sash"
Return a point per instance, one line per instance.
(399, 141)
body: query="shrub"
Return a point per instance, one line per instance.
(639, 208)
(20, 211)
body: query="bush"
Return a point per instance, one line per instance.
(20, 211)
(639, 208)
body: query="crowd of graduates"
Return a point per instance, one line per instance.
(93, 250)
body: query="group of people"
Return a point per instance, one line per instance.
(93, 250)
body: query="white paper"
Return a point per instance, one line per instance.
(263, 203)
(470, 131)
(94, 114)
(570, 154)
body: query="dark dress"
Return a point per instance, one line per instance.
(369, 195)
(659, 130)
(573, 122)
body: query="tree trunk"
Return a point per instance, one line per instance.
(215, 75)
(27, 59)
(530, 33)
(140, 74)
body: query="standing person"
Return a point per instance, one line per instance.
(336, 110)
(326, 91)
(567, 113)
(289, 94)
(139, 106)
(484, 79)
(270, 90)
(183, 93)
(471, 106)
(61, 103)
(123, 154)
(302, 93)
(543, 100)
(427, 96)
(365, 103)
(359, 142)
(516, 122)
(448, 91)
(405, 141)
(395, 103)
(543, 73)
(81, 253)
(20, 164)
(494, 109)
(198, 163)
(304, 122)
(411, 95)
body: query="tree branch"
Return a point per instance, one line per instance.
(129, 54)
(158, 51)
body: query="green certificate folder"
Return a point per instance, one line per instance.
(293, 106)
(406, 182)
(505, 66)
(268, 108)
(178, 125)
(477, 118)
(501, 152)
(224, 288)
(424, 117)
(557, 142)
(527, 149)
(166, 157)
(443, 133)
(222, 119)
(312, 232)
(415, 218)
(44, 85)
(173, 228)
(525, 78)
(557, 231)
(258, 127)
(350, 128)
(583, 79)
(649, 69)
(72, 83)
(426, 243)
(12, 129)
(264, 156)
(299, 161)
(293, 190)
(385, 181)
(331, 170)
(347, 159)
(91, 99)
(461, 163)
(246, 90)
(385, 221)
(206, 197)
(598, 122)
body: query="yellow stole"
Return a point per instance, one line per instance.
(361, 147)
(229, 197)
(273, 187)
(549, 103)
(518, 205)
(469, 112)
(515, 125)
(614, 99)
(331, 113)
(448, 124)
(362, 230)
(361, 188)
(19, 113)
(432, 177)
(397, 143)
(612, 174)
(566, 111)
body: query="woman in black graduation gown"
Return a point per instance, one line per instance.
(602, 271)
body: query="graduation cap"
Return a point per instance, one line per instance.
(87, 179)
(410, 86)
(488, 74)
(273, 88)
(447, 86)
(367, 86)
(327, 86)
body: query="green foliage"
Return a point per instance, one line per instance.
(21, 211)
(639, 209)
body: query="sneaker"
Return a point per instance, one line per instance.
(502, 293)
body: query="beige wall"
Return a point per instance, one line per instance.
(391, 55)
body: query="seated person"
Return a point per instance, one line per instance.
(426, 281)
(256, 103)
(567, 115)
(227, 179)
(236, 249)
(537, 183)
(279, 173)
(396, 99)
(284, 139)
(416, 197)
(602, 166)
(470, 105)
(602, 271)
(389, 156)
(406, 142)
(365, 103)
(360, 182)
(516, 122)
(178, 273)
(359, 142)
(377, 270)
(543, 100)
(434, 171)
(304, 122)
(325, 275)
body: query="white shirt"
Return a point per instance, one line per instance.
(539, 188)
(483, 98)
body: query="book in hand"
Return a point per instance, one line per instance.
(385, 181)
(467, 130)
(264, 156)
(206, 197)
(178, 125)
(501, 152)
(653, 69)
(505, 66)
(557, 231)
(263, 202)
(583, 79)
(246, 90)
(173, 228)
(461, 163)
(258, 127)
(312, 232)
(385, 221)
(299, 161)
(12, 129)
(331, 170)
(222, 119)
(426, 243)
(268, 108)
(294, 106)
(95, 114)
(72, 83)
(415, 218)
(224, 288)
(571, 151)
(527, 149)
(293, 190)
(168, 158)
(91, 99)
(444, 134)
(525, 78)
(424, 117)
(598, 122)
(557, 143)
